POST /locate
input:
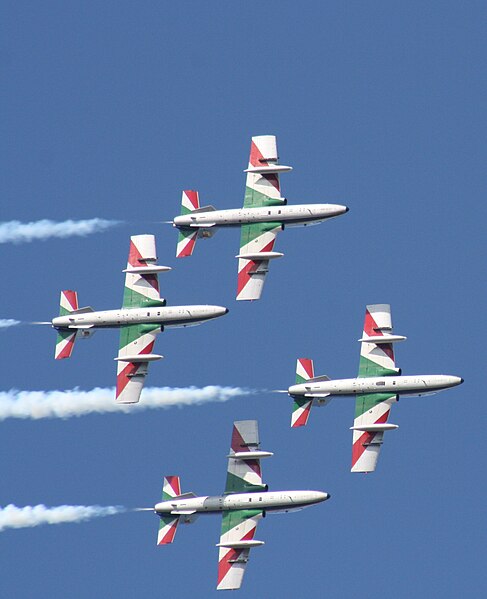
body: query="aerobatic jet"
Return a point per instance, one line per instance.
(143, 314)
(245, 501)
(378, 386)
(264, 214)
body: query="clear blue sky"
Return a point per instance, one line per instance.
(110, 109)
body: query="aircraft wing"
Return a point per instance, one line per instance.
(372, 409)
(238, 526)
(262, 188)
(236, 540)
(371, 414)
(134, 355)
(137, 340)
(256, 245)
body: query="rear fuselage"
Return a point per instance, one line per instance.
(400, 385)
(266, 500)
(167, 316)
(301, 214)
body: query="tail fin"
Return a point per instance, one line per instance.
(65, 339)
(302, 405)
(190, 202)
(169, 524)
(68, 302)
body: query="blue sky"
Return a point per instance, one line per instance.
(110, 109)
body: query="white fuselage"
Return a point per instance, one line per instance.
(400, 385)
(265, 500)
(167, 316)
(301, 214)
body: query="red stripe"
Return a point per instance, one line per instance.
(303, 418)
(256, 158)
(174, 484)
(135, 257)
(188, 247)
(122, 378)
(169, 536)
(370, 325)
(243, 276)
(273, 180)
(224, 565)
(358, 447)
(307, 364)
(67, 349)
(71, 298)
(193, 198)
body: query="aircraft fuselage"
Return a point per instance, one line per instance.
(400, 385)
(265, 500)
(292, 215)
(167, 316)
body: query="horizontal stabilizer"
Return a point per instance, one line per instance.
(268, 169)
(243, 544)
(378, 339)
(260, 256)
(208, 208)
(319, 379)
(139, 358)
(250, 455)
(84, 310)
(182, 512)
(188, 495)
(375, 428)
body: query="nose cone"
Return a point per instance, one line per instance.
(339, 209)
(457, 380)
(321, 496)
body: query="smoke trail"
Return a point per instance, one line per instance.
(65, 404)
(8, 322)
(12, 516)
(17, 232)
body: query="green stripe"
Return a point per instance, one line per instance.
(134, 299)
(368, 368)
(251, 232)
(366, 401)
(132, 332)
(299, 403)
(233, 518)
(256, 199)
(236, 484)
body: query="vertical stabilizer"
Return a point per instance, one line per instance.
(190, 201)
(302, 405)
(68, 303)
(169, 524)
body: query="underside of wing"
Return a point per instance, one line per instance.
(134, 355)
(236, 540)
(141, 279)
(262, 187)
(256, 251)
(371, 414)
(244, 473)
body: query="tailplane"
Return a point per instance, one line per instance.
(190, 203)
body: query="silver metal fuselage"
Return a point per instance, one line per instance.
(292, 215)
(265, 500)
(401, 385)
(167, 316)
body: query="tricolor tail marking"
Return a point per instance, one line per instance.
(302, 406)
(68, 303)
(169, 525)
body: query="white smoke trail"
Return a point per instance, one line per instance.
(8, 322)
(65, 404)
(17, 232)
(12, 516)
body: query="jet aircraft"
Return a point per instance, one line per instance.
(143, 314)
(264, 214)
(245, 501)
(378, 386)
